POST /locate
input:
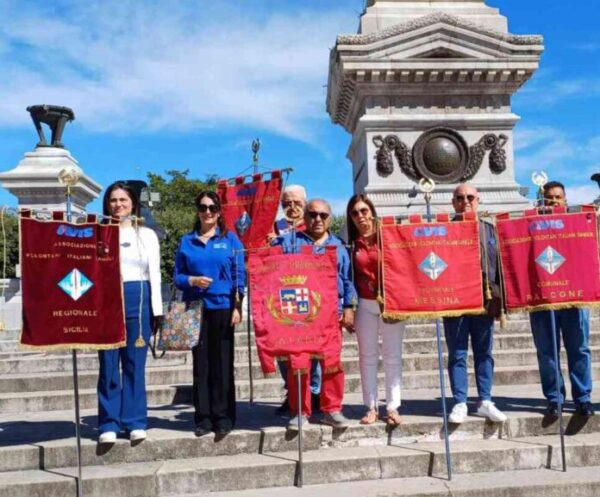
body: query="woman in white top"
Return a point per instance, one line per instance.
(122, 397)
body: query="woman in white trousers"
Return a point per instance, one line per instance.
(369, 323)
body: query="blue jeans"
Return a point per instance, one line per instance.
(457, 331)
(575, 326)
(315, 375)
(122, 396)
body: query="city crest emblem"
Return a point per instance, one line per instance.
(550, 260)
(294, 303)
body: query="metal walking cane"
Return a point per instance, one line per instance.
(427, 186)
(69, 178)
(540, 179)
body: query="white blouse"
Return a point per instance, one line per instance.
(140, 261)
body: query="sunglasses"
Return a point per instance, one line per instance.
(314, 215)
(462, 198)
(204, 208)
(364, 211)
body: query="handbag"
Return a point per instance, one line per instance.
(181, 326)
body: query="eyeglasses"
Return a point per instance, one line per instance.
(463, 198)
(314, 215)
(204, 208)
(291, 203)
(364, 211)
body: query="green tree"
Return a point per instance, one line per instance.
(175, 212)
(9, 244)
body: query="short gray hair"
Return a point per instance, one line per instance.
(299, 189)
(322, 200)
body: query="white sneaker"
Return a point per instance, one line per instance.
(136, 435)
(108, 437)
(458, 413)
(487, 409)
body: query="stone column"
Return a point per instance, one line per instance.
(425, 90)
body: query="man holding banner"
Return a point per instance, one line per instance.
(480, 328)
(293, 202)
(317, 216)
(575, 325)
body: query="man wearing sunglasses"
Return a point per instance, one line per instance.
(575, 326)
(480, 328)
(317, 217)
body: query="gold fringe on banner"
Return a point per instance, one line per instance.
(427, 316)
(553, 307)
(72, 346)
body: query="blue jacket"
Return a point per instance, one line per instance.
(221, 258)
(291, 243)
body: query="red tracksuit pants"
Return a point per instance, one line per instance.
(332, 392)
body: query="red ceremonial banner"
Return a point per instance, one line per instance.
(71, 281)
(431, 270)
(549, 261)
(295, 308)
(249, 209)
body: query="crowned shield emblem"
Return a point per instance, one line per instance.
(297, 304)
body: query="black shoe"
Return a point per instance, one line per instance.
(223, 428)
(551, 409)
(203, 428)
(284, 409)
(315, 401)
(584, 409)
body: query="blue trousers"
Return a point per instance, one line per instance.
(122, 396)
(575, 327)
(457, 331)
(315, 375)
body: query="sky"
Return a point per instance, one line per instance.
(178, 84)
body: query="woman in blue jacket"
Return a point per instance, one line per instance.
(209, 265)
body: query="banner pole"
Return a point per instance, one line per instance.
(427, 186)
(300, 438)
(248, 324)
(559, 400)
(540, 179)
(70, 178)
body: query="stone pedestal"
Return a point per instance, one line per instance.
(35, 181)
(425, 90)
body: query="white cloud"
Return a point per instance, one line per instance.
(150, 66)
(582, 194)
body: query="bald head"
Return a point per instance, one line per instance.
(465, 198)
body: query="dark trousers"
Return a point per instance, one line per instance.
(214, 388)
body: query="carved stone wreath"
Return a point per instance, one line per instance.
(441, 154)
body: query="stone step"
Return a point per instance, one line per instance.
(254, 471)
(413, 330)
(49, 362)
(55, 363)
(26, 375)
(170, 436)
(23, 400)
(582, 482)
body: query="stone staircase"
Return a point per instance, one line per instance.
(520, 458)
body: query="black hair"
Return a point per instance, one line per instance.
(553, 184)
(215, 198)
(121, 185)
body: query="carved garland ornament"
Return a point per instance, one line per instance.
(440, 154)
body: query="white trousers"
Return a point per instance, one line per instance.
(369, 325)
